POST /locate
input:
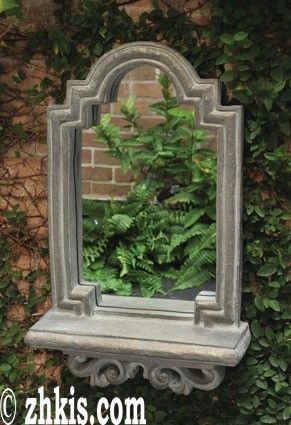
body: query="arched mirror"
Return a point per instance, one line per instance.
(145, 224)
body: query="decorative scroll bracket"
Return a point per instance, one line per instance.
(104, 372)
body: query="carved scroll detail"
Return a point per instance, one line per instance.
(103, 372)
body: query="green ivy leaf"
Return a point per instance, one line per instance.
(279, 86)
(259, 303)
(272, 403)
(251, 361)
(260, 212)
(287, 413)
(277, 74)
(256, 328)
(227, 76)
(240, 36)
(261, 384)
(97, 49)
(274, 304)
(222, 60)
(227, 39)
(268, 103)
(283, 364)
(274, 362)
(266, 270)
(285, 127)
(267, 419)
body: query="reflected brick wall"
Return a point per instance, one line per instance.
(102, 177)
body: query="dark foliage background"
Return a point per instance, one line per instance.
(247, 46)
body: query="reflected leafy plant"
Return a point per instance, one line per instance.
(165, 229)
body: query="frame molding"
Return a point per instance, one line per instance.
(72, 298)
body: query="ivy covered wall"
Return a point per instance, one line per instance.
(247, 46)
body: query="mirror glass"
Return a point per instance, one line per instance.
(149, 194)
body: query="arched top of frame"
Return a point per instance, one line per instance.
(101, 86)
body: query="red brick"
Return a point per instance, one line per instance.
(147, 89)
(150, 122)
(33, 188)
(86, 188)
(201, 18)
(39, 263)
(105, 108)
(31, 149)
(11, 202)
(37, 75)
(39, 61)
(6, 187)
(101, 157)
(3, 204)
(97, 173)
(22, 168)
(115, 108)
(33, 222)
(135, 11)
(120, 122)
(42, 207)
(143, 106)
(211, 142)
(110, 190)
(42, 308)
(185, 5)
(7, 63)
(122, 177)
(86, 156)
(39, 284)
(42, 233)
(89, 139)
(29, 207)
(23, 262)
(38, 15)
(44, 166)
(140, 73)
(123, 90)
(186, 105)
(30, 167)
(21, 119)
(16, 313)
(23, 287)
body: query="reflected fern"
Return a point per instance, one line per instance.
(165, 229)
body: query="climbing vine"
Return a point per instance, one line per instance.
(246, 46)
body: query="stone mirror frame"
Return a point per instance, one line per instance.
(178, 344)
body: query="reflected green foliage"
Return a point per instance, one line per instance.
(165, 229)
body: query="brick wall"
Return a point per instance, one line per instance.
(102, 177)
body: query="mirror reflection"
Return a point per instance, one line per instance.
(149, 194)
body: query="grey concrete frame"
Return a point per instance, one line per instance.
(179, 344)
